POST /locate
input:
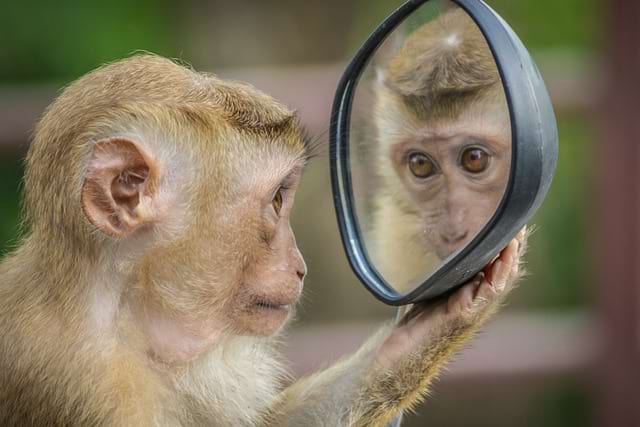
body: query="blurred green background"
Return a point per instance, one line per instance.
(44, 45)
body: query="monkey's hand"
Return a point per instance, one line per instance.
(426, 338)
(392, 371)
(465, 308)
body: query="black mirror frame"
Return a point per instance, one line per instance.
(534, 156)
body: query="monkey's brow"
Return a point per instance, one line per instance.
(292, 174)
(313, 144)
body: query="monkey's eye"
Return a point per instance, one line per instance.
(276, 202)
(421, 165)
(475, 160)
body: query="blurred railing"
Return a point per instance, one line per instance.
(308, 89)
(515, 345)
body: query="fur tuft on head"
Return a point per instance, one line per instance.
(445, 60)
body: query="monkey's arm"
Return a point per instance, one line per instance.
(393, 370)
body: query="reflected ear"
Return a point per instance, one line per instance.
(119, 187)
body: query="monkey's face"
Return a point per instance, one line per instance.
(237, 269)
(211, 250)
(449, 176)
(454, 184)
(271, 270)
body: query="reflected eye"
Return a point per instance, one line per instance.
(475, 160)
(277, 201)
(421, 165)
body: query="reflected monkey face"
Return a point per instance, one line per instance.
(434, 136)
(454, 182)
(446, 175)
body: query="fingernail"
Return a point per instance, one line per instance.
(498, 269)
(477, 280)
(522, 233)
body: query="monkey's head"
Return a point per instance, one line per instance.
(182, 185)
(444, 133)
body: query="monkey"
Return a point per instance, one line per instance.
(158, 268)
(442, 147)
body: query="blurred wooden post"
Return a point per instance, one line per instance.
(618, 175)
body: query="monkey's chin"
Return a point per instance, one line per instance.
(445, 251)
(264, 319)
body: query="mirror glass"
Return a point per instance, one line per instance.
(429, 144)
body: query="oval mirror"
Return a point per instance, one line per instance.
(443, 144)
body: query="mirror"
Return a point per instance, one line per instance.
(443, 144)
(430, 144)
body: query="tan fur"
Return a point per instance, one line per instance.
(443, 65)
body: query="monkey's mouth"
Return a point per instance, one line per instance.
(263, 304)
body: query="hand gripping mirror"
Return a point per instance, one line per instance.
(443, 145)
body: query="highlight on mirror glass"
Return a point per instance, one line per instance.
(429, 144)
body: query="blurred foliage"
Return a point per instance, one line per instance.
(559, 264)
(541, 24)
(565, 404)
(61, 40)
(550, 402)
(10, 179)
(43, 41)
(553, 24)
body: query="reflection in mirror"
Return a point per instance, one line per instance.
(430, 144)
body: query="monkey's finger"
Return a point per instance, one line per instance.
(521, 237)
(522, 234)
(462, 300)
(510, 253)
(485, 294)
(518, 241)
(500, 270)
(478, 279)
(494, 259)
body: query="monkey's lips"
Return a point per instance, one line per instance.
(272, 305)
(265, 316)
(265, 305)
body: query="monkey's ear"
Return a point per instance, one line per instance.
(119, 187)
